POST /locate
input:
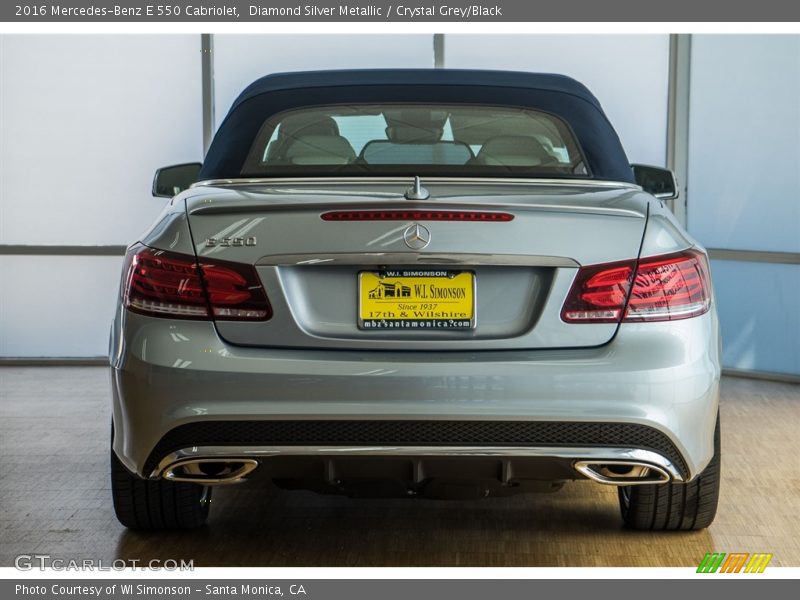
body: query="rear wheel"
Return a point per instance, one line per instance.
(674, 506)
(156, 505)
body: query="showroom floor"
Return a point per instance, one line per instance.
(55, 499)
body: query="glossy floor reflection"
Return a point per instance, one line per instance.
(55, 499)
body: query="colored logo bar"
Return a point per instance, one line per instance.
(735, 562)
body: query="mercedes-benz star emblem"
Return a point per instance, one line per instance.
(416, 236)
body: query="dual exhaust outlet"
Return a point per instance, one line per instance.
(222, 471)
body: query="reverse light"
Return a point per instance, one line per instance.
(169, 284)
(660, 288)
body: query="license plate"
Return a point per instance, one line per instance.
(416, 300)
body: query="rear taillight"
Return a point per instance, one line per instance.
(162, 283)
(599, 293)
(168, 284)
(664, 288)
(668, 288)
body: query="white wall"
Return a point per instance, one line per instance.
(744, 142)
(84, 122)
(744, 177)
(57, 305)
(627, 73)
(241, 59)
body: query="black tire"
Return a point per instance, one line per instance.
(674, 506)
(156, 505)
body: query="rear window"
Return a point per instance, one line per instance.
(414, 139)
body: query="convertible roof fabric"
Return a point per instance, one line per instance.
(556, 94)
(312, 79)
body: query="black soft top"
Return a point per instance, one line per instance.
(557, 94)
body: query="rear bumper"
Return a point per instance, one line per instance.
(662, 377)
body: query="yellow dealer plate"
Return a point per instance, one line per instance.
(419, 300)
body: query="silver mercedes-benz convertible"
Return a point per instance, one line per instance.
(419, 283)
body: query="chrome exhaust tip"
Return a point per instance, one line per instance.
(210, 471)
(622, 472)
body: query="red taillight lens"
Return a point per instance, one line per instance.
(668, 288)
(168, 284)
(598, 293)
(161, 283)
(665, 288)
(234, 291)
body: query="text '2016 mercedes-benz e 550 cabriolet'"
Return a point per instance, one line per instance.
(418, 283)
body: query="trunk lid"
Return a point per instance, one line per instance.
(520, 270)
